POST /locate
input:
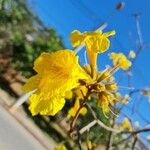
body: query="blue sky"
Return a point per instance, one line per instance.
(86, 15)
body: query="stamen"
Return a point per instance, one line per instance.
(105, 115)
(112, 71)
(113, 112)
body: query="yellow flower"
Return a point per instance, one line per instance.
(126, 125)
(57, 73)
(106, 90)
(60, 147)
(90, 145)
(96, 42)
(80, 92)
(72, 112)
(105, 99)
(132, 54)
(120, 60)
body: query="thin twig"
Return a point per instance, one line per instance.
(123, 140)
(137, 17)
(79, 141)
(100, 122)
(140, 130)
(91, 110)
(91, 124)
(140, 39)
(87, 127)
(72, 125)
(107, 128)
(134, 143)
(109, 142)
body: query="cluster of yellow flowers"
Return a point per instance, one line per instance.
(60, 73)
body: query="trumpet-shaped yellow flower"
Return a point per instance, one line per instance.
(96, 42)
(126, 125)
(57, 73)
(72, 112)
(60, 147)
(120, 60)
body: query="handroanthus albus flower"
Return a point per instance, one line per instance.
(95, 42)
(57, 73)
(120, 60)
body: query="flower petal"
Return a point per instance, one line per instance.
(31, 84)
(59, 70)
(104, 45)
(58, 59)
(40, 104)
(76, 38)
